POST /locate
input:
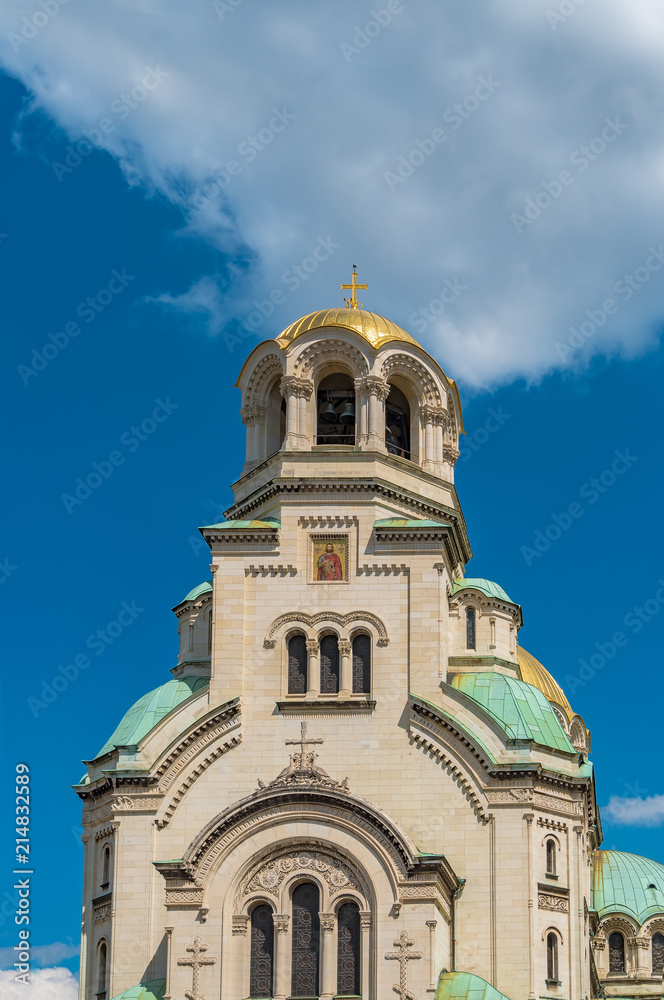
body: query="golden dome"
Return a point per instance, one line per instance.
(532, 672)
(375, 329)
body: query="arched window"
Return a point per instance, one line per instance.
(329, 665)
(397, 423)
(101, 971)
(552, 958)
(261, 965)
(210, 632)
(105, 867)
(550, 857)
(336, 410)
(658, 954)
(348, 950)
(306, 941)
(362, 664)
(297, 664)
(470, 628)
(616, 952)
(275, 424)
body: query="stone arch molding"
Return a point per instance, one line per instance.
(622, 923)
(264, 374)
(310, 621)
(272, 877)
(416, 374)
(323, 354)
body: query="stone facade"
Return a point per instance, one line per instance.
(412, 802)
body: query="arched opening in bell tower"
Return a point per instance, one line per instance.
(335, 422)
(275, 422)
(397, 423)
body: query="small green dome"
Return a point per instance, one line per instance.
(627, 883)
(149, 710)
(153, 990)
(465, 986)
(487, 587)
(521, 709)
(202, 588)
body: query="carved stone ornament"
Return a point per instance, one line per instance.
(122, 802)
(102, 912)
(326, 922)
(269, 877)
(302, 769)
(552, 901)
(403, 955)
(280, 921)
(196, 962)
(240, 923)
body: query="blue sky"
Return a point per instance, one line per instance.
(543, 421)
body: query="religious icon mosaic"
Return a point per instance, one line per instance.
(329, 558)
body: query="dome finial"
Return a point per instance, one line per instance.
(352, 302)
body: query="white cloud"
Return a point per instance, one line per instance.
(635, 811)
(240, 71)
(44, 984)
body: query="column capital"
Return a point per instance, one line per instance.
(280, 921)
(432, 923)
(373, 385)
(240, 923)
(327, 922)
(433, 414)
(252, 415)
(344, 647)
(312, 647)
(291, 385)
(365, 920)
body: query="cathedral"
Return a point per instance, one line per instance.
(356, 783)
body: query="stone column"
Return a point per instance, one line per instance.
(365, 953)
(296, 391)
(433, 419)
(313, 669)
(328, 957)
(253, 418)
(362, 410)
(640, 948)
(281, 946)
(431, 924)
(169, 945)
(378, 390)
(529, 817)
(346, 678)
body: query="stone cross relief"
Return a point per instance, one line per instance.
(403, 956)
(302, 768)
(304, 760)
(196, 962)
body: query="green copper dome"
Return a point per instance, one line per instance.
(465, 986)
(153, 990)
(150, 710)
(202, 588)
(487, 587)
(521, 709)
(627, 883)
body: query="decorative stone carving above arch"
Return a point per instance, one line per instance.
(323, 354)
(310, 621)
(413, 371)
(264, 374)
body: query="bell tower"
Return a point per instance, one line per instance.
(352, 435)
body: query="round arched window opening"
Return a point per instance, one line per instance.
(397, 423)
(335, 421)
(616, 952)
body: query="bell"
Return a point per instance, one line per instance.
(328, 414)
(348, 414)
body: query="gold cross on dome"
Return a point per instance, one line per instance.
(352, 302)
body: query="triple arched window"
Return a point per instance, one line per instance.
(306, 946)
(330, 680)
